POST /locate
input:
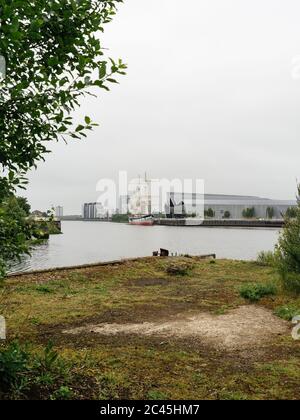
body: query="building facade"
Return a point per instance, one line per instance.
(92, 211)
(59, 211)
(225, 206)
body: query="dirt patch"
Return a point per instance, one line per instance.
(243, 328)
(150, 282)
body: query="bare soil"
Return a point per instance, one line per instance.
(242, 328)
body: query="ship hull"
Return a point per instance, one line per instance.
(142, 221)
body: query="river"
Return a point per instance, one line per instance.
(92, 242)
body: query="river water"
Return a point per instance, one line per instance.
(92, 242)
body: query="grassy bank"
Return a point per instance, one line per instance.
(87, 363)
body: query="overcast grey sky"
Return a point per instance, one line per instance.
(209, 94)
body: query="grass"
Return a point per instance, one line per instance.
(39, 307)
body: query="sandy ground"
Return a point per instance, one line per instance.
(242, 328)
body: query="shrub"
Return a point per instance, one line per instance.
(288, 252)
(291, 213)
(287, 312)
(13, 367)
(249, 213)
(179, 269)
(255, 292)
(21, 370)
(227, 214)
(209, 213)
(291, 282)
(266, 259)
(270, 212)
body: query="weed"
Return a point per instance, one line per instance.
(63, 393)
(13, 367)
(266, 259)
(255, 292)
(287, 312)
(179, 269)
(156, 395)
(44, 289)
(291, 282)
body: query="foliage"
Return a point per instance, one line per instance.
(21, 370)
(291, 213)
(255, 292)
(227, 214)
(270, 212)
(288, 251)
(24, 205)
(179, 268)
(290, 281)
(120, 218)
(13, 367)
(14, 232)
(287, 312)
(209, 213)
(266, 258)
(249, 213)
(63, 393)
(53, 59)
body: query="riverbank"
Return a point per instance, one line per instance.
(137, 330)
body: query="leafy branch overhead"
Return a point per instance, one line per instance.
(54, 57)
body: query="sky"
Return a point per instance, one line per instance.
(212, 92)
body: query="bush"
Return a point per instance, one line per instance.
(209, 213)
(291, 213)
(179, 269)
(288, 252)
(255, 292)
(291, 282)
(20, 371)
(266, 259)
(13, 367)
(270, 212)
(249, 213)
(287, 312)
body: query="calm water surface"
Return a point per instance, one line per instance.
(92, 242)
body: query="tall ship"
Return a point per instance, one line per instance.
(147, 220)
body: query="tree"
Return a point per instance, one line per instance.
(209, 213)
(287, 251)
(291, 213)
(14, 232)
(54, 58)
(24, 205)
(227, 214)
(249, 213)
(270, 212)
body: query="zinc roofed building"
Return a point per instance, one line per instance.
(226, 206)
